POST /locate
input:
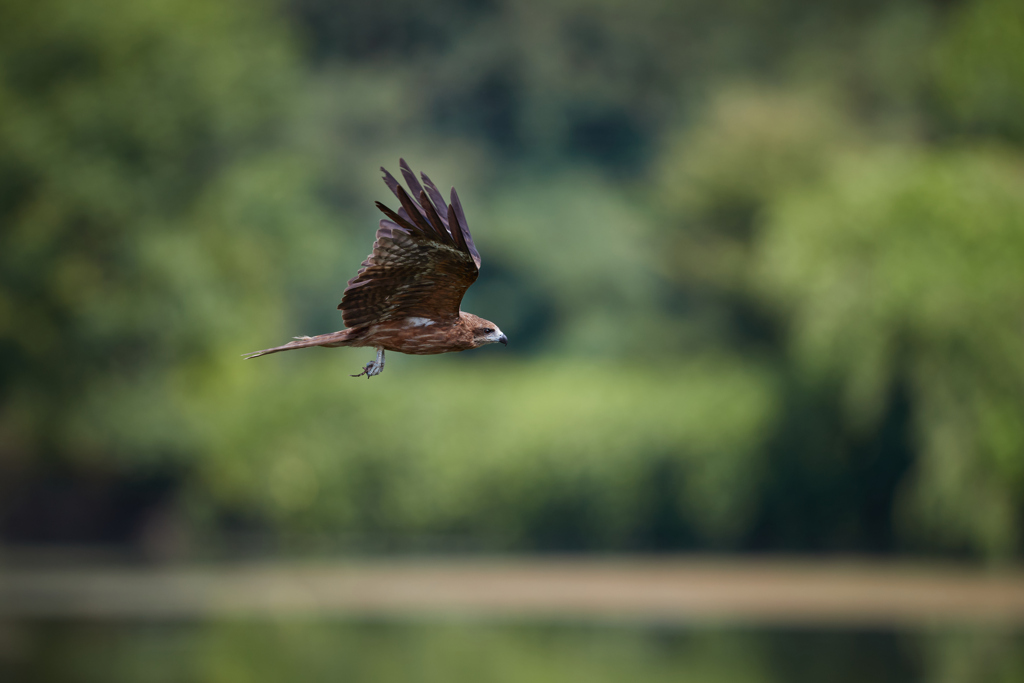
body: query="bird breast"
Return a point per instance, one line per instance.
(419, 336)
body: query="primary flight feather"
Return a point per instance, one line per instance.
(407, 292)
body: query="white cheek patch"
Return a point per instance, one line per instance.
(418, 322)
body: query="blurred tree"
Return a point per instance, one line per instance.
(909, 267)
(571, 454)
(822, 487)
(147, 216)
(807, 335)
(556, 82)
(896, 271)
(979, 68)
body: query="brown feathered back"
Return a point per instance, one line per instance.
(422, 263)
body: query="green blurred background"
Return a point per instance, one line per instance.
(761, 266)
(762, 269)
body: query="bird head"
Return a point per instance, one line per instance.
(484, 331)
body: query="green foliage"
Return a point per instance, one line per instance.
(980, 67)
(718, 174)
(551, 260)
(148, 210)
(874, 270)
(908, 267)
(736, 312)
(506, 455)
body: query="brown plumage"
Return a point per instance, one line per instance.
(406, 295)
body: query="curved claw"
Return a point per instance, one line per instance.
(366, 371)
(374, 367)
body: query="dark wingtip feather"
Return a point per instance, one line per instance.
(437, 199)
(406, 223)
(410, 179)
(390, 181)
(458, 208)
(461, 215)
(456, 230)
(431, 216)
(435, 220)
(415, 212)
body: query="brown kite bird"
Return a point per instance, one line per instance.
(406, 295)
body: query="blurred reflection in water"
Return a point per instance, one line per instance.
(452, 651)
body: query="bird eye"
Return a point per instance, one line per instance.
(488, 330)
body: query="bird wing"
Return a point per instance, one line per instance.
(422, 263)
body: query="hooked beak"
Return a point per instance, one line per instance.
(503, 339)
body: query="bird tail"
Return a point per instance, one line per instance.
(330, 339)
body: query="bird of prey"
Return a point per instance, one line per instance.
(406, 295)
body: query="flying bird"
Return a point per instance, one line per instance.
(407, 292)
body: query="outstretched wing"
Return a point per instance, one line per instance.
(423, 259)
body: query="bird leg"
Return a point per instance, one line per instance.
(374, 367)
